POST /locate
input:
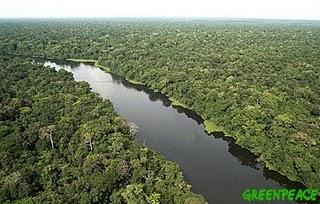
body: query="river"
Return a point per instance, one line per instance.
(213, 164)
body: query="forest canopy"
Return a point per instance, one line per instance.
(258, 81)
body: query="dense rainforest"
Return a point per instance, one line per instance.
(258, 81)
(62, 143)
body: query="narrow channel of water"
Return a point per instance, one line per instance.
(214, 166)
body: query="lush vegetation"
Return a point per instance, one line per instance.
(61, 143)
(258, 81)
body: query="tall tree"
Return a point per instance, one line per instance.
(47, 132)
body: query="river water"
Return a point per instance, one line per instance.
(214, 166)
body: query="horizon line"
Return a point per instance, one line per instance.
(159, 17)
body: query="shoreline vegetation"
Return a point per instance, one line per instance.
(212, 127)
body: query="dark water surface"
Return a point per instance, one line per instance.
(214, 166)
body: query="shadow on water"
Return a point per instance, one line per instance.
(245, 157)
(157, 96)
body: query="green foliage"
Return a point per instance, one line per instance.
(211, 126)
(177, 103)
(60, 143)
(257, 80)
